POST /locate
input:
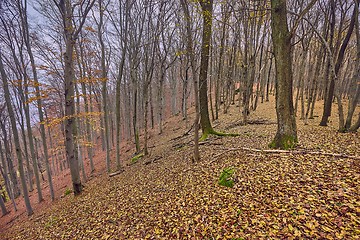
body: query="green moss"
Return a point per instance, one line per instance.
(342, 130)
(137, 157)
(68, 191)
(272, 145)
(206, 134)
(285, 142)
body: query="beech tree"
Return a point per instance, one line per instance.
(15, 135)
(339, 61)
(71, 33)
(191, 57)
(22, 7)
(286, 135)
(207, 9)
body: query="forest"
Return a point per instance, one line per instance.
(186, 119)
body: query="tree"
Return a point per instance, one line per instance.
(104, 79)
(354, 94)
(207, 9)
(286, 135)
(5, 171)
(191, 56)
(207, 15)
(26, 36)
(15, 134)
(4, 211)
(123, 32)
(330, 91)
(71, 33)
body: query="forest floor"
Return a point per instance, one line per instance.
(166, 196)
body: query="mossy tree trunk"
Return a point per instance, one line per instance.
(286, 135)
(207, 9)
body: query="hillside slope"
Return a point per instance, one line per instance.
(165, 196)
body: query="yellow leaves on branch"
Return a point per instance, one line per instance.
(91, 80)
(90, 29)
(56, 121)
(84, 143)
(43, 67)
(43, 95)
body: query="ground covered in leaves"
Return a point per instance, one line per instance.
(166, 196)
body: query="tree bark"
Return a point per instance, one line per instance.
(71, 34)
(286, 135)
(2, 206)
(191, 57)
(5, 173)
(15, 135)
(207, 8)
(104, 79)
(339, 60)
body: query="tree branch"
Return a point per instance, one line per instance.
(300, 16)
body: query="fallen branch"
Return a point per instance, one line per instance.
(116, 173)
(185, 134)
(209, 143)
(153, 160)
(251, 122)
(295, 152)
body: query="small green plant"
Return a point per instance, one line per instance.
(238, 213)
(226, 177)
(68, 191)
(137, 157)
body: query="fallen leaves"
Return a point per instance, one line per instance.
(281, 196)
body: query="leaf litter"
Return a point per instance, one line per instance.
(275, 196)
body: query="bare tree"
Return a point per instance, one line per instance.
(71, 33)
(15, 134)
(286, 135)
(191, 56)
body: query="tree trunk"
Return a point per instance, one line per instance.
(356, 125)
(207, 8)
(12, 172)
(268, 80)
(103, 89)
(191, 56)
(286, 135)
(118, 86)
(2, 206)
(5, 173)
(71, 34)
(39, 108)
(16, 136)
(354, 94)
(339, 60)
